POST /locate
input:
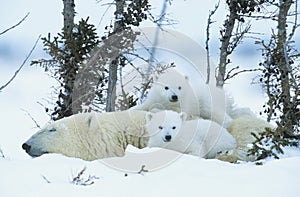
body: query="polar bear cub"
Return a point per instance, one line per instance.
(205, 138)
(174, 91)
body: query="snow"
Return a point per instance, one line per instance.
(187, 176)
(170, 173)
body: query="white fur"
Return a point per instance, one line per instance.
(196, 99)
(241, 128)
(204, 138)
(91, 136)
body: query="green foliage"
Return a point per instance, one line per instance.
(270, 143)
(280, 78)
(67, 53)
(126, 101)
(267, 144)
(135, 12)
(283, 95)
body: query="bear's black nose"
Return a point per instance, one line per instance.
(174, 98)
(168, 138)
(26, 147)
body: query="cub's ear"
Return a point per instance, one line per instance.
(149, 116)
(183, 116)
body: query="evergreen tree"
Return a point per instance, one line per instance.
(68, 50)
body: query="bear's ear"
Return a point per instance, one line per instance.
(149, 116)
(186, 77)
(183, 116)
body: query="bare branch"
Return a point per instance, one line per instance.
(237, 38)
(229, 76)
(45, 178)
(35, 122)
(104, 13)
(80, 180)
(146, 76)
(295, 26)
(1, 153)
(209, 22)
(159, 24)
(16, 73)
(141, 171)
(23, 19)
(225, 42)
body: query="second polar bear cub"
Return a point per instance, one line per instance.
(174, 91)
(205, 138)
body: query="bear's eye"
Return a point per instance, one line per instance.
(179, 87)
(173, 127)
(166, 87)
(160, 127)
(52, 130)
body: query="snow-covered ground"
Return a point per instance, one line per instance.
(52, 175)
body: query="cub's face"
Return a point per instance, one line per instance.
(172, 85)
(163, 127)
(171, 92)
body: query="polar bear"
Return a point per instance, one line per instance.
(90, 136)
(174, 91)
(241, 128)
(205, 138)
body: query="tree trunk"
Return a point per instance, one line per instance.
(283, 60)
(225, 41)
(67, 70)
(113, 67)
(68, 13)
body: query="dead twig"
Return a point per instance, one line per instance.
(229, 75)
(23, 19)
(35, 122)
(80, 180)
(209, 22)
(141, 171)
(17, 71)
(1, 153)
(45, 178)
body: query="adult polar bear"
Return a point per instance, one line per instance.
(174, 91)
(200, 137)
(90, 136)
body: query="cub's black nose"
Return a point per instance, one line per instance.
(168, 138)
(26, 147)
(174, 98)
